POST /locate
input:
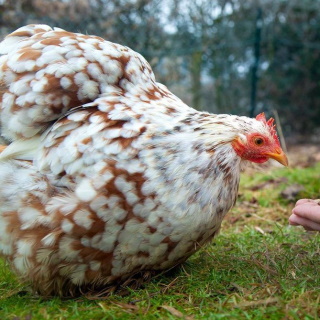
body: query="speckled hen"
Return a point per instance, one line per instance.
(107, 174)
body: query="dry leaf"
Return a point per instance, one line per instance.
(269, 183)
(254, 304)
(126, 306)
(176, 312)
(173, 311)
(291, 192)
(259, 230)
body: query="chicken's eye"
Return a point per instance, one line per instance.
(259, 141)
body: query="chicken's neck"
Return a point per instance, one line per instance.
(194, 172)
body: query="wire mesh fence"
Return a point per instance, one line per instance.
(232, 56)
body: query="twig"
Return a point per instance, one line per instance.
(279, 129)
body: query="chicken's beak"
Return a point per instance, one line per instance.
(279, 156)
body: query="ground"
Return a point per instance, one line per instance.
(257, 268)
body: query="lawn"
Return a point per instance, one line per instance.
(257, 268)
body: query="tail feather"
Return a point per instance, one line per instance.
(20, 149)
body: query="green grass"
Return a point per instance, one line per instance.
(257, 268)
(275, 180)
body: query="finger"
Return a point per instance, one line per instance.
(308, 210)
(292, 220)
(302, 201)
(307, 224)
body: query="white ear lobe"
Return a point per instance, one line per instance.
(242, 138)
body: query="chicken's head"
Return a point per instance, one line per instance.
(260, 146)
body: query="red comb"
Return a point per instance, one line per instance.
(261, 117)
(269, 123)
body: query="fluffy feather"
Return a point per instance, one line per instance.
(123, 178)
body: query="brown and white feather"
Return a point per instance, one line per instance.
(123, 177)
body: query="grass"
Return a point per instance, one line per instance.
(257, 268)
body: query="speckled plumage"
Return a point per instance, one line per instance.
(108, 173)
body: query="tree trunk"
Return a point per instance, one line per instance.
(195, 69)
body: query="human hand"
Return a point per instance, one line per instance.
(306, 213)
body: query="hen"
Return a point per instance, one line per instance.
(108, 174)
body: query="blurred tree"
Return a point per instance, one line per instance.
(291, 48)
(204, 50)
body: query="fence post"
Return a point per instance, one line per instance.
(255, 64)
